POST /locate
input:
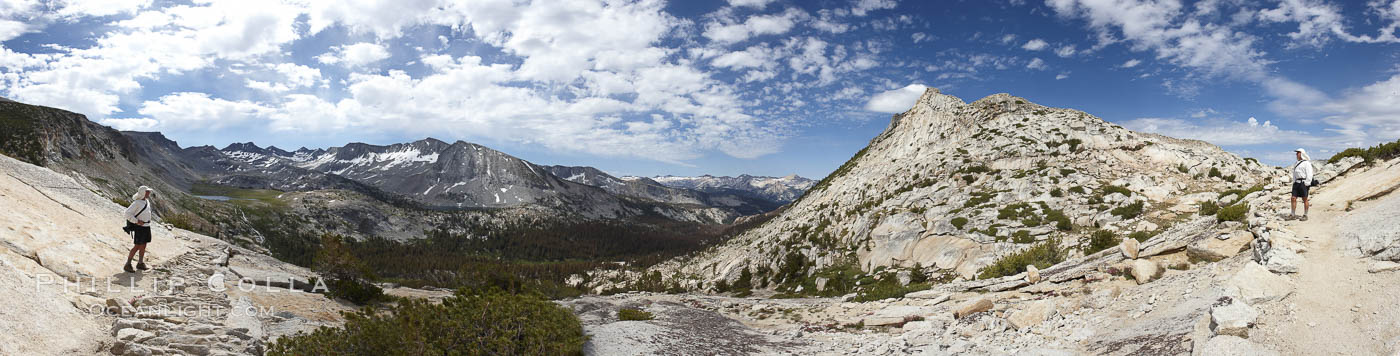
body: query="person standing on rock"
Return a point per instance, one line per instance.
(1302, 180)
(138, 223)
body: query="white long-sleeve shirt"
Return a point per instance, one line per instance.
(135, 215)
(1304, 171)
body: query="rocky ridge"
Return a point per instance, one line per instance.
(949, 183)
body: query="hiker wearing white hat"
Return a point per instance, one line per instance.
(1302, 181)
(138, 224)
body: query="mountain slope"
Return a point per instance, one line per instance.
(954, 186)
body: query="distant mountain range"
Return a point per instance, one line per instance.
(777, 189)
(428, 173)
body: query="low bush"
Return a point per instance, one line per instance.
(633, 314)
(1213, 173)
(1057, 193)
(1110, 189)
(1371, 154)
(1061, 221)
(959, 222)
(1076, 189)
(1042, 256)
(1022, 237)
(1099, 241)
(1128, 211)
(1208, 208)
(1236, 212)
(468, 323)
(1142, 236)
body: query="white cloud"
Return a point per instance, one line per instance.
(755, 56)
(1220, 132)
(135, 124)
(1061, 76)
(1035, 45)
(863, 7)
(1037, 64)
(750, 3)
(1065, 51)
(188, 111)
(726, 32)
(355, 55)
(920, 37)
(1318, 22)
(897, 100)
(1131, 63)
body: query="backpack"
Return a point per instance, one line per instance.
(130, 226)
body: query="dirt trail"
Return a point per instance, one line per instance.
(1338, 308)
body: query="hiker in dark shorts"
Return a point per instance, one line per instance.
(138, 223)
(1302, 181)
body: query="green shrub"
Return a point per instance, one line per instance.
(917, 275)
(1208, 208)
(633, 314)
(969, 178)
(1062, 222)
(975, 169)
(1066, 171)
(1128, 211)
(1213, 173)
(1074, 144)
(1099, 241)
(1076, 189)
(468, 323)
(745, 281)
(1022, 237)
(1032, 221)
(978, 198)
(958, 222)
(1371, 154)
(1110, 189)
(1182, 168)
(1240, 194)
(1041, 255)
(1236, 212)
(1057, 193)
(1142, 236)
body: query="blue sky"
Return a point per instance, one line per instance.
(649, 87)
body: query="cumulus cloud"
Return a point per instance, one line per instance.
(1037, 64)
(1131, 63)
(1220, 132)
(750, 3)
(728, 31)
(1035, 45)
(355, 55)
(863, 7)
(897, 100)
(1066, 51)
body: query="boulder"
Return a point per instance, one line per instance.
(118, 306)
(972, 307)
(1257, 285)
(1032, 314)
(1213, 249)
(1226, 345)
(1282, 260)
(1232, 317)
(1032, 274)
(1146, 270)
(1384, 266)
(1129, 248)
(134, 335)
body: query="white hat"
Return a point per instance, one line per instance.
(141, 193)
(1300, 150)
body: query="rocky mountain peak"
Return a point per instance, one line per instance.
(249, 147)
(957, 186)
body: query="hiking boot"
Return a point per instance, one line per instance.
(128, 269)
(1304, 218)
(141, 266)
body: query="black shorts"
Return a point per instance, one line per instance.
(1300, 189)
(140, 235)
